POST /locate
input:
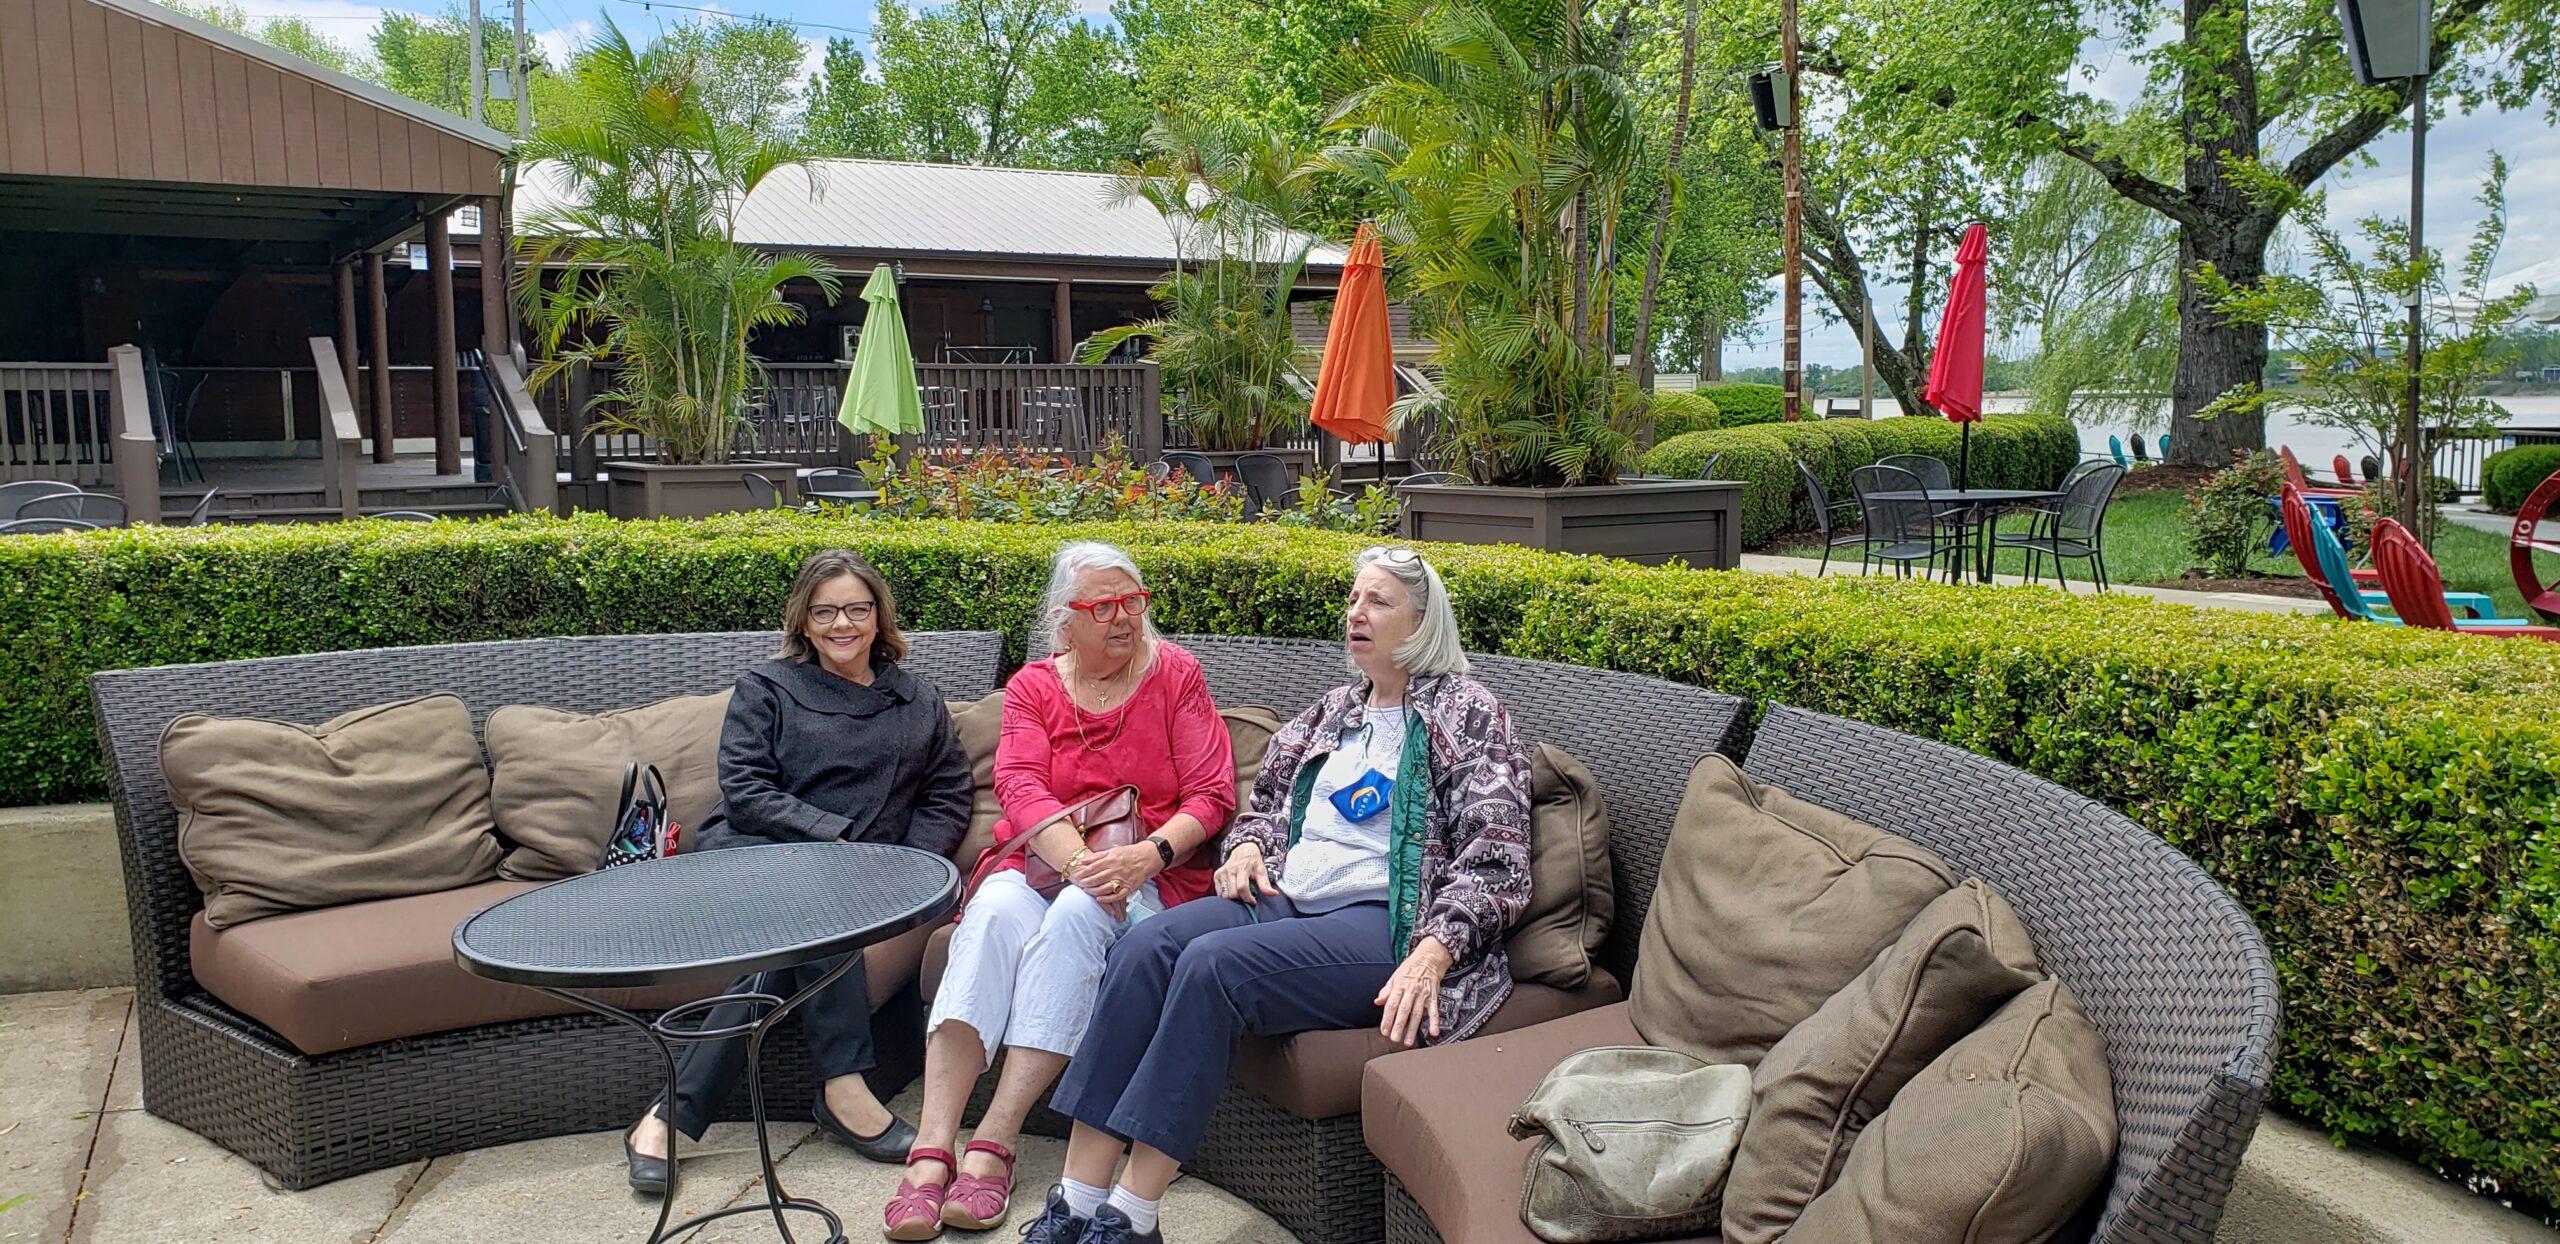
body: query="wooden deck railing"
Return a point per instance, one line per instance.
(528, 453)
(57, 421)
(341, 437)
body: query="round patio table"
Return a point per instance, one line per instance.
(714, 915)
(1975, 502)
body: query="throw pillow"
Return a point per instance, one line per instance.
(979, 723)
(1961, 958)
(1999, 1141)
(1766, 906)
(1570, 902)
(555, 777)
(1249, 731)
(383, 802)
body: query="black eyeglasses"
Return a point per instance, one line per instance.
(826, 615)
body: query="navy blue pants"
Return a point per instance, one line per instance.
(1181, 987)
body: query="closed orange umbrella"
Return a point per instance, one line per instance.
(1358, 380)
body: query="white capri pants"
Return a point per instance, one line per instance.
(1024, 969)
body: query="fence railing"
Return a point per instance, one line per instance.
(528, 452)
(1067, 410)
(341, 437)
(57, 421)
(2459, 461)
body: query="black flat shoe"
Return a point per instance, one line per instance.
(889, 1146)
(648, 1174)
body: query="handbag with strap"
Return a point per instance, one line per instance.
(1636, 1144)
(1110, 819)
(641, 828)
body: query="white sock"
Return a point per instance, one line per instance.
(1082, 1198)
(1141, 1211)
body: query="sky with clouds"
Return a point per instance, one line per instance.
(2458, 148)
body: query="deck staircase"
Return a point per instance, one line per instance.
(290, 491)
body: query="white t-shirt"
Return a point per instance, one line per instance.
(1339, 862)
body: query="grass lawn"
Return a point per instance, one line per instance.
(2147, 543)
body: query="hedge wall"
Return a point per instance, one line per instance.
(2508, 476)
(1677, 414)
(2386, 802)
(1745, 404)
(2009, 451)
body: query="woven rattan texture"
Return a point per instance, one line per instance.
(308, 1120)
(1405, 1221)
(1313, 1176)
(660, 918)
(1639, 736)
(2166, 962)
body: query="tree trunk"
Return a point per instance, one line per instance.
(2215, 355)
(1662, 205)
(1711, 353)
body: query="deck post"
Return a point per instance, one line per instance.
(1062, 331)
(346, 278)
(494, 328)
(137, 451)
(444, 366)
(1150, 421)
(377, 342)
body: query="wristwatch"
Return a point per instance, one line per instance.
(1163, 848)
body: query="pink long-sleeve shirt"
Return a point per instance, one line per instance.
(1167, 740)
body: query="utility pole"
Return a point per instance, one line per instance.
(479, 76)
(524, 99)
(1792, 170)
(2413, 456)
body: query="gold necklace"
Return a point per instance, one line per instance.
(1076, 711)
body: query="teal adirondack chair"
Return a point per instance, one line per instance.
(2335, 568)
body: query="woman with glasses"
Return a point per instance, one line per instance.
(830, 741)
(1385, 854)
(1109, 704)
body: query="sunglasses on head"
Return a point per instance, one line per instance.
(1109, 608)
(1390, 553)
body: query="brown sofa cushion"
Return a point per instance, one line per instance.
(1435, 1117)
(381, 802)
(1249, 731)
(979, 723)
(1316, 1075)
(555, 777)
(1999, 1141)
(1767, 906)
(1960, 959)
(1570, 902)
(353, 975)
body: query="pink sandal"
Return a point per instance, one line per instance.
(915, 1213)
(980, 1202)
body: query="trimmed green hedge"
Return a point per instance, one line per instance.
(2508, 476)
(2386, 802)
(1746, 404)
(2009, 451)
(1677, 414)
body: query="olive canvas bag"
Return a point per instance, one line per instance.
(1637, 1140)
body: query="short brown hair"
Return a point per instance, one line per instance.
(825, 567)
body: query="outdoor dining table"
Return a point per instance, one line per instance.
(842, 496)
(712, 916)
(1975, 502)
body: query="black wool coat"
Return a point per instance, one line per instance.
(806, 756)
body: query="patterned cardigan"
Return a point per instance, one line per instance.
(1458, 848)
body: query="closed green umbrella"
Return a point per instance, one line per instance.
(880, 397)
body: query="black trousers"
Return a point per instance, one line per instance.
(836, 1020)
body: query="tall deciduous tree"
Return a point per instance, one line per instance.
(848, 112)
(290, 34)
(428, 59)
(747, 72)
(1013, 82)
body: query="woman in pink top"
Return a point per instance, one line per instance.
(1112, 705)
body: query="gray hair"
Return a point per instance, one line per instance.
(1435, 647)
(1048, 631)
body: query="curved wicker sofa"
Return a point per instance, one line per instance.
(2167, 964)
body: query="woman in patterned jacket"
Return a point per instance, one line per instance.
(1384, 857)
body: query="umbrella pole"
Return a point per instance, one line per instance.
(1964, 454)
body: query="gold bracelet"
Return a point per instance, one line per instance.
(1075, 859)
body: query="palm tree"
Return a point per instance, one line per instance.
(1504, 136)
(652, 281)
(1232, 192)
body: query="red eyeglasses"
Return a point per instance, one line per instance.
(1109, 608)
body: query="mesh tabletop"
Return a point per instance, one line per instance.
(1966, 496)
(733, 911)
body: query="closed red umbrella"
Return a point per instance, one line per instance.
(1955, 371)
(1358, 381)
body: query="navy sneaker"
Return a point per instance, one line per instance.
(1110, 1226)
(1055, 1225)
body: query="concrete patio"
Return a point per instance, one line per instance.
(81, 1161)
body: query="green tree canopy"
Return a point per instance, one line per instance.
(1010, 82)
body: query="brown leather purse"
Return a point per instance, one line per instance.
(1110, 819)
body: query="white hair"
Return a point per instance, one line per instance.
(1435, 646)
(1049, 630)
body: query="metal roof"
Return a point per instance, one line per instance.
(426, 114)
(939, 209)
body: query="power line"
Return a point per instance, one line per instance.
(745, 17)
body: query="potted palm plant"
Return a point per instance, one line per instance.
(1503, 137)
(652, 289)
(1232, 193)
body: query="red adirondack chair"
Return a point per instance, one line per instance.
(2416, 588)
(2293, 475)
(2339, 465)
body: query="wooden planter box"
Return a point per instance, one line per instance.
(656, 490)
(1650, 521)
